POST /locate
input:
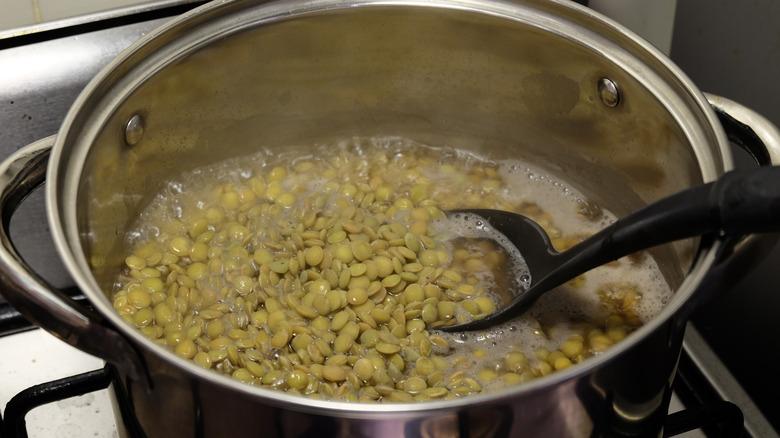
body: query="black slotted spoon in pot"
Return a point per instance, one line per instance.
(738, 203)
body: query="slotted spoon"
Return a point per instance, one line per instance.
(738, 203)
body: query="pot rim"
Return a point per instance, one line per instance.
(549, 15)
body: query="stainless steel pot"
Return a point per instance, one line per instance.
(548, 81)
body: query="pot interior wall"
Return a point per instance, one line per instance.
(496, 84)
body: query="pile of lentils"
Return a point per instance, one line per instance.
(327, 275)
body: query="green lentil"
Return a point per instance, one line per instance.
(334, 373)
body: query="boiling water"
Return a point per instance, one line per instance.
(446, 178)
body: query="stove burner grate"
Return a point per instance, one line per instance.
(14, 424)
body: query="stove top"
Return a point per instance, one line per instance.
(41, 74)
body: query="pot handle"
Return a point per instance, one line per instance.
(748, 129)
(761, 139)
(31, 295)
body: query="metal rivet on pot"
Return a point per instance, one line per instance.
(134, 130)
(609, 92)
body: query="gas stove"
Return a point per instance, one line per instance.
(41, 73)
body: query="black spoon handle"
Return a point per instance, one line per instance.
(749, 201)
(739, 202)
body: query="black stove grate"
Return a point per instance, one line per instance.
(14, 424)
(707, 410)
